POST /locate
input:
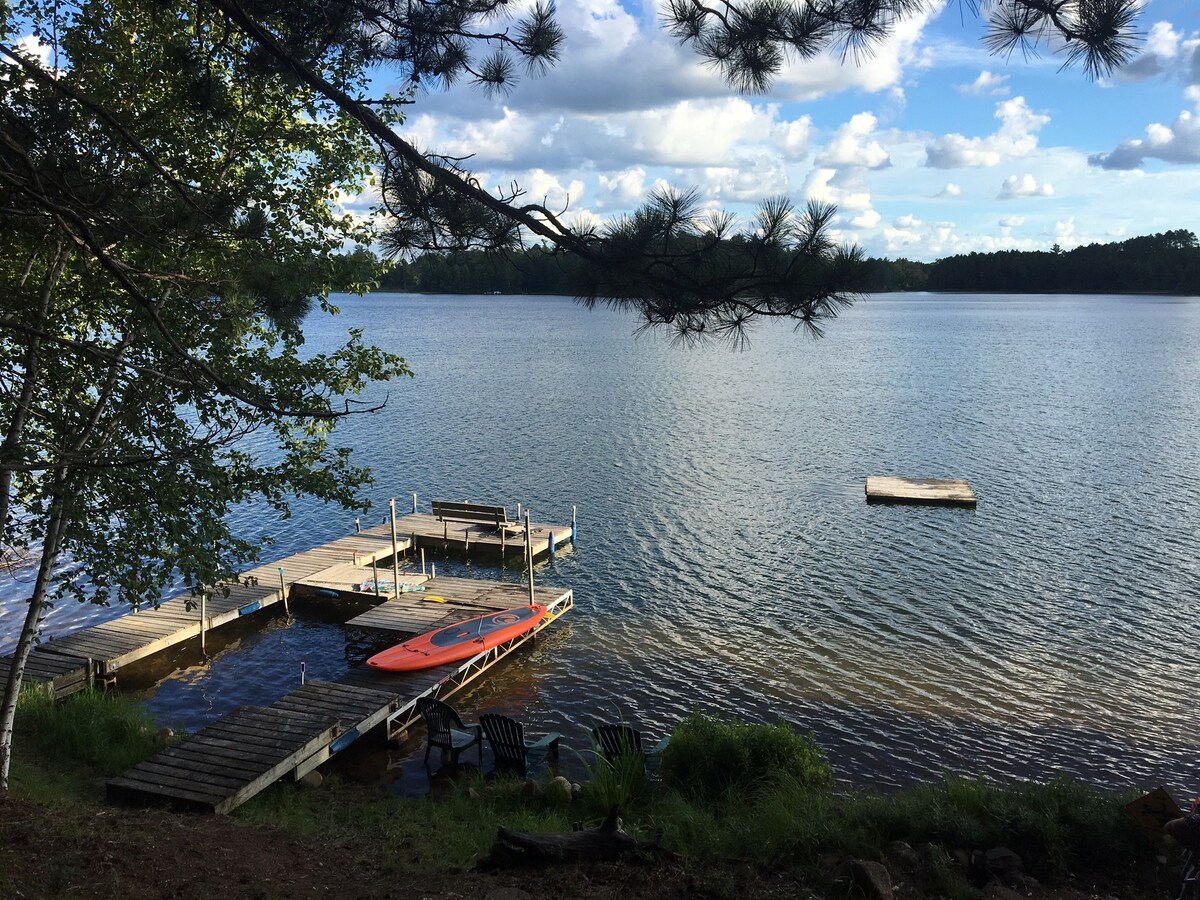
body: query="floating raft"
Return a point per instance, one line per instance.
(932, 491)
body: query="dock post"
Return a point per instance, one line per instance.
(203, 621)
(375, 572)
(574, 527)
(283, 591)
(414, 501)
(357, 525)
(552, 547)
(529, 555)
(302, 672)
(433, 570)
(395, 552)
(518, 510)
(422, 560)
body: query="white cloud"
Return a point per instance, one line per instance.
(950, 190)
(752, 180)
(622, 190)
(31, 48)
(908, 222)
(544, 188)
(867, 219)
(1011, 221)
(1159, 53)
(1024, 186)
(852, 146)
(1064, 233)
(1178, 143)
(793, 138)
(1015, 139)
(818, 186)
(898, 239)
(988, 83)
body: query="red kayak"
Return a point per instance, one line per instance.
(462, 640)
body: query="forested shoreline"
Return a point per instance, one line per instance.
(1166, 263)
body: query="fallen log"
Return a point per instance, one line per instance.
(608, 841)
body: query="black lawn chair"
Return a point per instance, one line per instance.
(513, 752)
(447, 731)
(614, 741)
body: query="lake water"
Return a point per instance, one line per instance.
(726, 558)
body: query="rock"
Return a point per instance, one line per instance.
(560, 789)
(962, 859)
(872, 878)
(576, 790)
(164, 736)
(1029, 884)
(1003, 865)
(994, 890)
(313, 779)
(903, 858)
(531, 790)
(472, 794)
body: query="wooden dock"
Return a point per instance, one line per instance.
(228, 762)
(58, 674)
(117, 643)
(426, 530)
(933, 491)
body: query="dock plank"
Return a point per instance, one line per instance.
(167, 778)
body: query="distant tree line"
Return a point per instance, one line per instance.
(1167, 263)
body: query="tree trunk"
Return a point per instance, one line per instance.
(16, 427)
(532, 848)
(29, 631)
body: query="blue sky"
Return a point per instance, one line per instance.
(929, 148)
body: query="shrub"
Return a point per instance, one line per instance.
(106, 731)
(708, 757)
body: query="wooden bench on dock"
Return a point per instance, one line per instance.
(482, 514)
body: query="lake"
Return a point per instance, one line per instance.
(726, 557)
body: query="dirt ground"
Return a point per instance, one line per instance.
(63, 850)
(50, 852)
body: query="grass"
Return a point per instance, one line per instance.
(103, 731)
(731, 791)
(424, 834)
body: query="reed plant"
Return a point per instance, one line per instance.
(103, 731)
(708, 757)
(618, 781)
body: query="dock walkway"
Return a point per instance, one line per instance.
(100, 651)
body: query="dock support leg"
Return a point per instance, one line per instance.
(395, 552)
(529, 555)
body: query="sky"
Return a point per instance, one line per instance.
(929, 148)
